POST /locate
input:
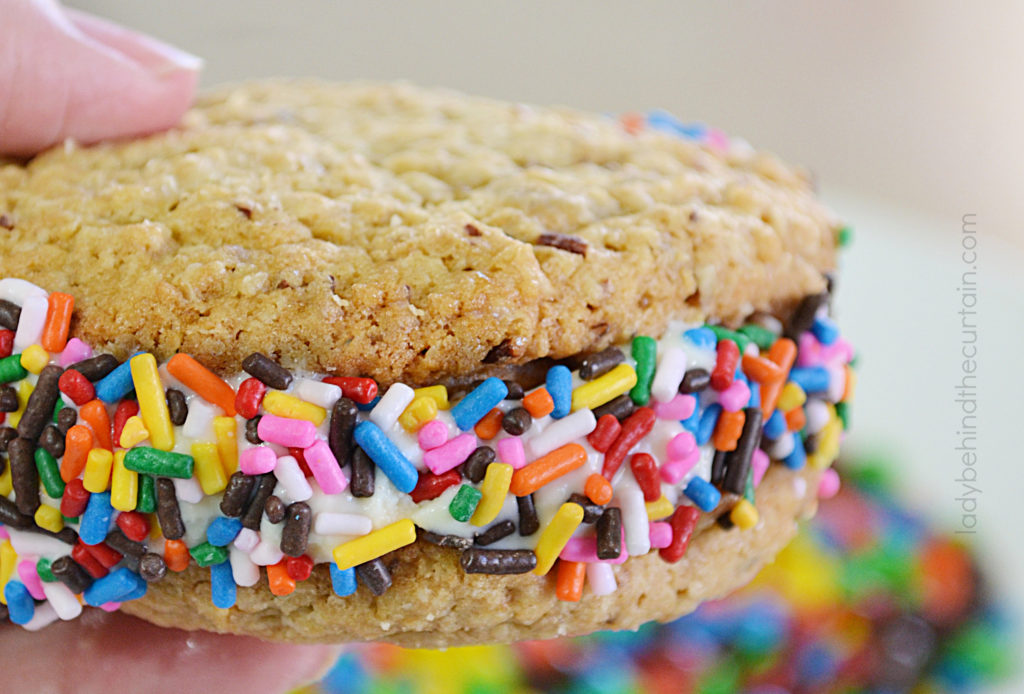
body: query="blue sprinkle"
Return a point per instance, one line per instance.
(692, 423)
(222, 585)
(825, 330)
(559, 386)
(116, 384)
(387, 456)
(20, 605)
(708, 420)
(96, 519)
(113, 587)
(798, 457)
(368, 406)
(755, 394)
(478, 402)
(775, 427)
(344, 582)
(701, 338)
(666, 122)
(703, 494)
(138, 592)
(223, 531)
(813, 379)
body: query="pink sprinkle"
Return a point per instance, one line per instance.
(809, 350)
(444, 458)
(74, 351)
(110, 606)
(679, 407)
(601, 579)
(4, 535)
(675, 470)
(511, 451)
(661, 535)
(293, 433)
(716, 139)
(324, 467)
(829, 485)
(257, 460)
(759, 463)
(735, 397)
(680, 446)
(585, 549)
(30, 577)
(432, 434)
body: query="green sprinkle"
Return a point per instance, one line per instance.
(43, 569)
(57, 408)
(464, 503)
(208, 555)
(147, 495)
(843, 410)
(49, 473)
(845, 237)
(645, 350)
(748, 489)
(68, 520)
(160, 463)
(11, 369)
(759, 335)
(740, 339)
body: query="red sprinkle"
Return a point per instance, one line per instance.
(126, 409)
(431, 486)
(605, 433)
(76, 386)
(299, 568)
(300, 458)
(362, 390)
(645, 471)
(134, 525)
(104, 554)
(636, 426)
(6, 343)
(249, 397)
(725, 367)
(75, 499)
(683, 522)
(88, 562)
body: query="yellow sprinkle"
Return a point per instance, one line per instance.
(662, 508)
(152, 401)
(284, 405)
(8, 560)
(604, 388)
(34, 358)
(6, 483)
(421, 410)
(791, 396)
(24, 390)
(124, 485)
(133, 433)
(851, 384)
(209, 471)
(155, 532)
(376, 544)
(493, 490)
(49, 518)
(744, 515)
(226, 431)
(557, 533)
(439, 394)
(97, 470)
(828, 443)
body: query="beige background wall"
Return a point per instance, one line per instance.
(917, 101)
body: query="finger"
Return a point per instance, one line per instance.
(71, 75)
(102, 653)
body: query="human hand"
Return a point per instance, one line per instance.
(67, 74)
(102, 653)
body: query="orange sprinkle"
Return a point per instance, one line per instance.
(851, 384)
(58, 320)
(207, 384)
(783, 353)
(632, 123)
(569, 583)
(728, 430)
(280, 582)
(489, 426)
(796, 419)
(95, 415)
(528, 479)
(761, 370)
(77, 444)
(175, 555)
(598, 489)
(770, 396)
(539, 403)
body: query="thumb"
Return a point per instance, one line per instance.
(67, 74)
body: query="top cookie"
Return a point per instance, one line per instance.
(405, 233)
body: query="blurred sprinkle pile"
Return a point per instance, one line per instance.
(868, 598)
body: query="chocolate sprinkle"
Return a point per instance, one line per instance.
(498, 561)
(363, 474)
(528, 521)
(609, 534)
(450, 541)
(96, 368)
(236, 494)
(494, 533)
(177, 406)
(375, 576)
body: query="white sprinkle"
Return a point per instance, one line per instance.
(634, 517)
(562, 431)
(293, 482)
(36, 544)
(266, 554)
(16, 290)
(30, 325)
(601, 578)
(247, 540)
(391, 406)
(188, 490)
(342, 524)
(44, 616)
(243, 569)
(669, 374)
(199, 423)
(318, 392)
(817, 415)
(781, 447)
(64, 602)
